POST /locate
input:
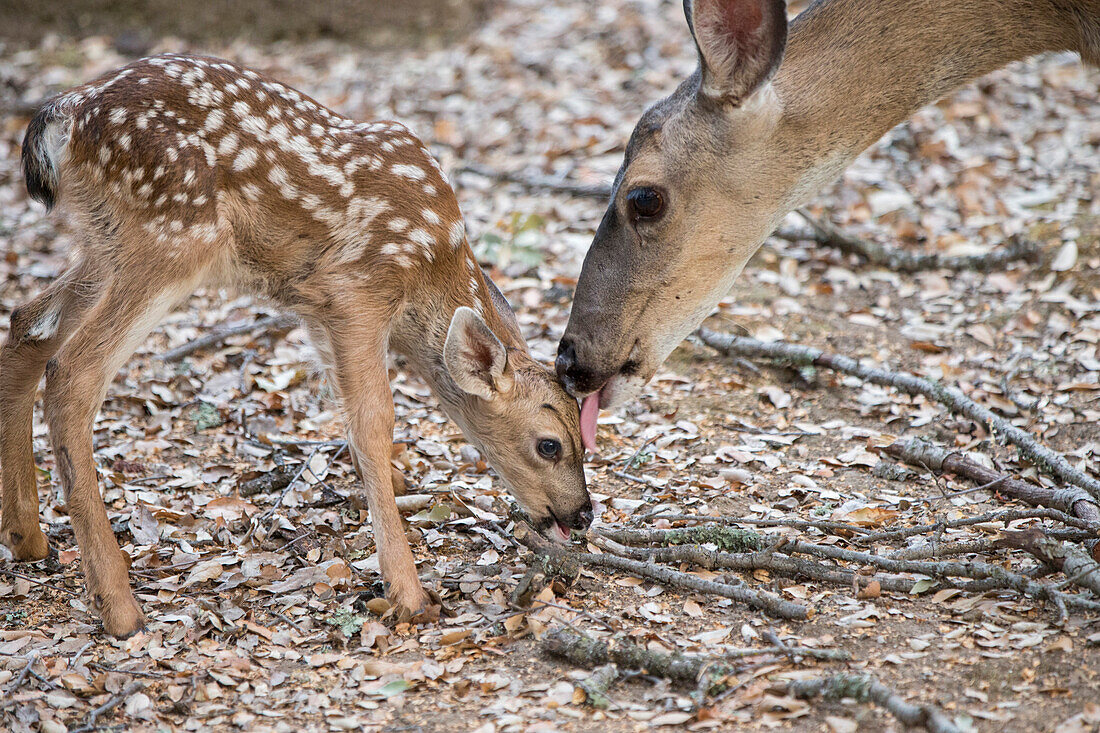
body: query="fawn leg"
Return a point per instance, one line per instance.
(38, 328)
(360, 367)
(76, 383)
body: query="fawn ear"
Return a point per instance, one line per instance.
(740, 44)
(473, 355)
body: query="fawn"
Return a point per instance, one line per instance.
(181, 171)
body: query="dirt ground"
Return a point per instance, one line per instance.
(281, 632)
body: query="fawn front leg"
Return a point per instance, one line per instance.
(368, 404)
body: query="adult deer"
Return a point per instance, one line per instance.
(181, 171)
(758, 129)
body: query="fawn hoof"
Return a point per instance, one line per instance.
(122, 616)
(416, 607)
(27, 546)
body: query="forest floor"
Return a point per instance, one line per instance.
(277, 635)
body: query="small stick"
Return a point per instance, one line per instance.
(1044, 458)
(1003, 515)
(286, 490)
(31, 661)
(824, 526)
(114, 702)
(36, 581)
(540, 183)
(900, 260)
(221, 333)
(1071, 500)
(767, 602)
(866, 689)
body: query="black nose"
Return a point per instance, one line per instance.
(567, 357)
(576, 377)
(582, 518)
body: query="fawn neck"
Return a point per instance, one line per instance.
(420, 331)
(856, 68)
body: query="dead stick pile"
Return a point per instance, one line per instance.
(709, 675)
(1044, 458)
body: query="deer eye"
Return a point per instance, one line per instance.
(549, 448)
(646, 203)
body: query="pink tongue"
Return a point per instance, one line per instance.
(590, 410)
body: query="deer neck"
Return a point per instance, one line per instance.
(420, 332)
(856, 68)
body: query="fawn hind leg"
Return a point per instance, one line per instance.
(38, 329)
(76, 383)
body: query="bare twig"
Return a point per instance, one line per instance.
(1046, 459)
(900, 260)
(267, 514)
(111, 704)
(866, 689)
(221, 333)
(36, 581)
(762, 600)
(32, 659)
(1077, 565)
(822, 525)
(1071, 500)
(536, 182)
(1003, 515)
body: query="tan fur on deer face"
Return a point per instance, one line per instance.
(712, 169)
(528, 428)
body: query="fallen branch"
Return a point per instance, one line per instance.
(1074, 562)
(750, 540)
(1003, 515)
(1071, 500)
(983, 576)
(866, 689)
(770, 560)
(536, 182)
(596, 685)
(767, 602)
(1044, 458)
(221, 333)
(822, 525)
(686, 669)
(91, 722)
(900, 260)
(274, 480)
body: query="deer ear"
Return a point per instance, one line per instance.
(473, 355)
(740, 44)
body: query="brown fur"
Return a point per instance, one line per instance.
(748, 138)
(182, 171)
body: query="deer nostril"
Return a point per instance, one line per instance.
(566, 363)
(583, 518)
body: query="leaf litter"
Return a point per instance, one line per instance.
(288, 630)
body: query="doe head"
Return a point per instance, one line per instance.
(700, 187)
(521, 418)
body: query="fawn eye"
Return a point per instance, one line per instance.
(646, 203)
(549, 448)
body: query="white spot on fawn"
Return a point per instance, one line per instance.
(408, 171)
(245, 159)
